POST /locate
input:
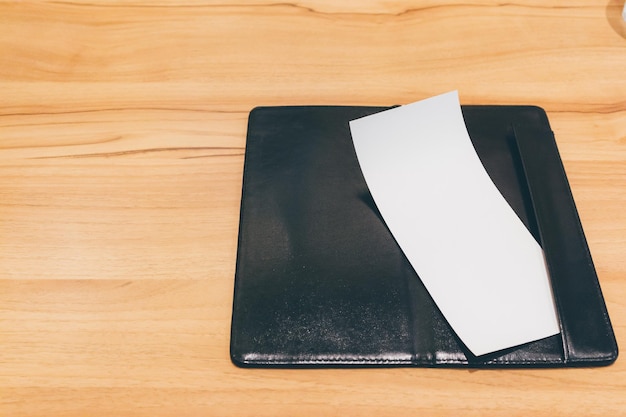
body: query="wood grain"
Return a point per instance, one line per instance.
(122, 131)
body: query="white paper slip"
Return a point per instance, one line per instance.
(483, 268)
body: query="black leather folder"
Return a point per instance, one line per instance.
(321, 282)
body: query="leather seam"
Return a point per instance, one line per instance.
(340, 359)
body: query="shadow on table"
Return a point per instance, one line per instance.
(614, 16)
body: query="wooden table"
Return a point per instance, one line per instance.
(122, 132)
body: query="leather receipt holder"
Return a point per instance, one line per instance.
(321, 282)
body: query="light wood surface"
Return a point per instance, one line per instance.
(122, 132)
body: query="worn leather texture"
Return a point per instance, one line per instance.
(321, 282)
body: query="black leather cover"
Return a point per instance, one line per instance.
(321, 282)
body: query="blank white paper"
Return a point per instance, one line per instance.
(476, 258)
